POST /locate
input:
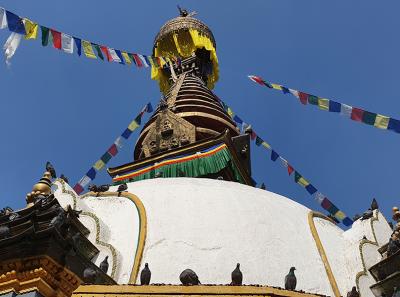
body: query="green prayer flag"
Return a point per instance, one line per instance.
(98, 50)
(259, 141)
(45, 35)
(369, 118)
(297, 176)
(313, 100)
(138, 119)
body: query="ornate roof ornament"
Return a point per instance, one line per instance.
(42, 188)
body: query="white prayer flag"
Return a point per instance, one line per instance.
(67, 43)
(143, 60)
(319, 197)
(84, 181)
(114, 55)
(345, 110)
(119, 142)
(11, 46)
(3, 18)
(294, 93)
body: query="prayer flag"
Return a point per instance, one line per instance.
(137, 60)
(369, 118)
(326, 204)
(294, 93)
(276, 87)
(113, 150)
(323, 103)
(126, 133)
(88, 50)
(99, 165)
(11, 45)
(345, 110)
(257, 79)
(394, 125)
(149, 107)
(78, 45)
(31, 29)
(143, 60)
(84, 181)
(114, 55)
(98, 50)
(45, 35)
(311, 189)
(300, 180)
(357, 114)
(259, 141)
(312, 99)
(78, 189)
(15, 23)
(91, 173)
(230, 112)
(290, 169)
(237, 119)
(3, 19)
(285, 90)
(303, 97)
(126, 57)
(274, 155)
(118, 52)
(119, 142)
(138, 119)
(56, 38)
(381, 121)
(266, 145)
(147, 60)
(253, 135)
(106, 157)
(104, 49)
(334, 106)
(340, 215)
(67, 43)
(347, 221)
(319, 197)
(133, 125)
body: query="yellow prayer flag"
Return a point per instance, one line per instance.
(230, 112)
(88, 49)
(266, 145)
(323, 103)
(133, 125)
(303, 182)
(31, 29)
(381, 121)
(126, 57)
(276, 87)
(99, 165)
(340, 215)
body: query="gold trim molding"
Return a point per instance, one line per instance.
(321, 250)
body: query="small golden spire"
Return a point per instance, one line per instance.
(43, 187)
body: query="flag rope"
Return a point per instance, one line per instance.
(353, 113)
(112, 151)
(323, 201)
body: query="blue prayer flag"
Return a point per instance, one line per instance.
(394, 125)
(126, 133)
(237, 119)
(311, 189)
(149, 107)
(334, 106)
(91, 173)
(15, 23)
(285, 90)
(78, 45)
(118, 52)
(347, 221)
(274, 155)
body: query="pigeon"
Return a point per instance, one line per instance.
(189, 278)
(64, 178)
(122, 187)
(374, 204)
(145, 275)
(93, 188)
(393, 246)
(50, 168)
(263, 187)
(237, 276)
(353, 293)
(89, 276)
(367, 215)
(59, 219)
(290, 280)
(4, 232)
(391, 225)
(104, 265)
(103, 188)
(356, 217)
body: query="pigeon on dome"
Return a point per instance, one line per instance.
(122, 187)
(145, 275)
(64, 178)
(189, 278)
(104, 265)
(237, 276)
(374, 204)
(291, 280)
(353, 293)
(50, 168)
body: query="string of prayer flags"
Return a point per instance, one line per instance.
(353, 113)
(112, 151)
(66, 42)
(297, 177)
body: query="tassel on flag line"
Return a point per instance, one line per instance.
(353, 113)
(23, 27)
(298, 178)
(112, 150)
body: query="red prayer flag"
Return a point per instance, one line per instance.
(357, 114)
(78, 189)
(289, 169)
(137, 60)
(104, 49)
(257, 79)
(113, 150)
(56, 38)
(303, 97)
(253, 135)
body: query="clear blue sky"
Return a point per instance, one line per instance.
(69, 109)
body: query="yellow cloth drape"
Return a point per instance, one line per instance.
(183, 44)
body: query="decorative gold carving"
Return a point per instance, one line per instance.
(172, 97)
(177, 290)
(321, 250)
(43, 187)
(169, 131)
(41, 274)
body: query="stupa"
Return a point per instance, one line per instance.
(188, 202)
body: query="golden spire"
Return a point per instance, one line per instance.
(43, 187)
